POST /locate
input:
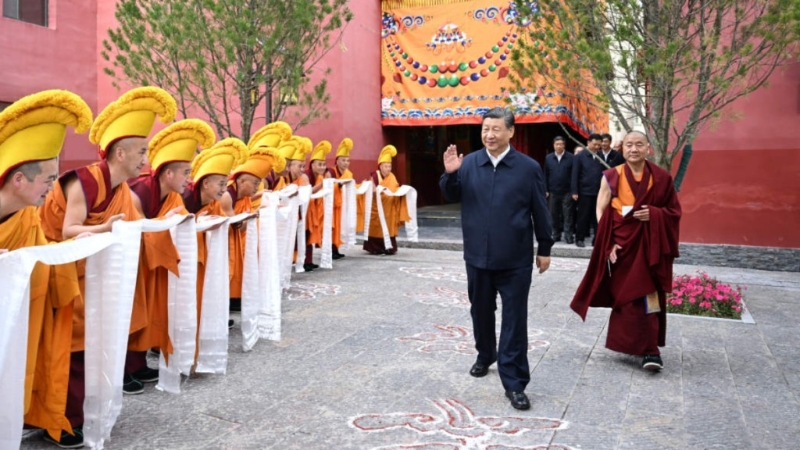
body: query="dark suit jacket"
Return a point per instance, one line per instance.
(558, 175)
(586, 174)
(501, 208)
(613, 159)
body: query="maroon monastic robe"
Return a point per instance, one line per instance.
(644, 263)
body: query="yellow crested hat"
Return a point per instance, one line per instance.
(308, 147)
(322, 149)
(132, 115)
(34, 127)
(270, 135)
(344, 148)
(260, 161)
(219, 159)
(293, 148)
(179, 142)
(387, 153)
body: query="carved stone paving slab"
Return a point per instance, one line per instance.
(460, 426)
(310, 291)
(442, 296)
(437, 273)
(458, 339)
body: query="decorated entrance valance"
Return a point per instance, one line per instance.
(445, 62)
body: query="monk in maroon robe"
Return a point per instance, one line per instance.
(637, 241)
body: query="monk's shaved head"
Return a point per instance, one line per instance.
(635, 133)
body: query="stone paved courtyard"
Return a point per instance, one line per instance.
(375, 354)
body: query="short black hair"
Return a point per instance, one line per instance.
(500, 113)
(558, 138)
(605, 136)
(29, 170)
(594, 137)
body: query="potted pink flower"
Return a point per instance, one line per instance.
(702, 295)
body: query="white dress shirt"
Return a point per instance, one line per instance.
(499, 158)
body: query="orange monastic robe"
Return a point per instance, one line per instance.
(236, 243)
(337, 206)
(159, 257)
(52, 292)
(315, 216)
(103, 202)
(213, 208)
(394, 208)
(279, 184)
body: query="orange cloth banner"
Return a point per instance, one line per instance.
(446, 62)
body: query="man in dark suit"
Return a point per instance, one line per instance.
(587, 170)
(557, 180)
(612, 157)
(503, 203)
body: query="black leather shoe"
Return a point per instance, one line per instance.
(336, 256)
(479, 369)
(518, 400)
(309, 267)
(146, 375)
(569, 240)
(580, 244)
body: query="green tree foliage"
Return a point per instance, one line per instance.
(667, 66)
(225, 57)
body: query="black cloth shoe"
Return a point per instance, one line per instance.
(230, 323)
(652, 362)
(337, 255)
(146, 375)
(236, 305)
(580, 244)
(518, 400)
(67, 440)
(569, 240)
(479, 369)
(308, 267)
(557, 238)
(131, 386)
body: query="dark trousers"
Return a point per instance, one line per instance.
(513, 286)
(561, 213)
(587, 215)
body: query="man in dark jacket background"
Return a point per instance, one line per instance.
(612, 157)
(587, 170)
(557, 181)
(503, 203)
